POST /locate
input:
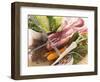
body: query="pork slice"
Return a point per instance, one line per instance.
(60, 38)
(70, 26)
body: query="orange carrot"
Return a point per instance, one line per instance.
(52, 55)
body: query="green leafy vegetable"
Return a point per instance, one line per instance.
(43, 22)
(52, 23)
(81, 50)
(58, 21)
(48, 23)
(32, 25)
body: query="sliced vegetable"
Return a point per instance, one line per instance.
(52, 55)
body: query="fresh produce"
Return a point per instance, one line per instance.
(62, 38)
(52, 55)
(81, 50)
(54, 23)
(43, 22)
(47, 23)
(71, 47)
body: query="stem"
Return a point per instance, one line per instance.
(76, 53)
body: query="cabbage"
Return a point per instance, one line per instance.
(58, 21)
(43, 22)
(47, 23)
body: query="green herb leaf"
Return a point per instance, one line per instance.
(81, 50)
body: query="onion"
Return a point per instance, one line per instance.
(32, 37)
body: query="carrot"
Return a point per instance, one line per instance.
(61, 50)
(52, 55)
